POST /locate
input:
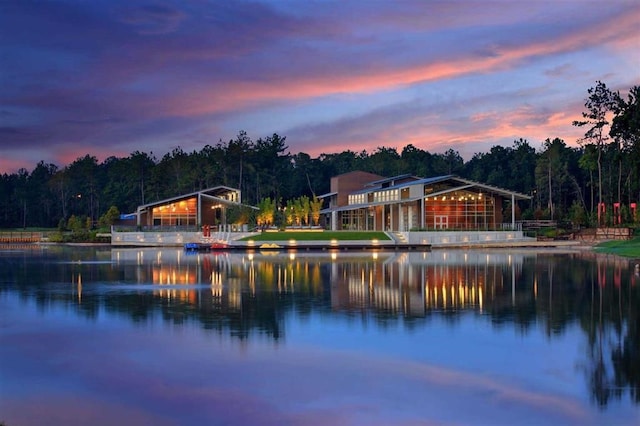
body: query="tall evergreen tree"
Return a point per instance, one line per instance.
(599, 105)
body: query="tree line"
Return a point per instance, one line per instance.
(566, 183)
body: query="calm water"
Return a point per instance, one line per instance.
(159, 337)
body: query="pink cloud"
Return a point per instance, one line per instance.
(68, 153)
(242, 94)
(166, 77)
(11, 165)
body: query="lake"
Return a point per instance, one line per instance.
(102, 336)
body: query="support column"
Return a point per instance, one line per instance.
(513, 212)
(199, 210)
(375, 219)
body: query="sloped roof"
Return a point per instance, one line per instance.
(212, 192)
(464, 184)
(437, 179)
(494, 189)
(391, 179)
(328, 194)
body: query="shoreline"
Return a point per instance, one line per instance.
(356, 245)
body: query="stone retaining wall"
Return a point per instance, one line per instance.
(462, 237)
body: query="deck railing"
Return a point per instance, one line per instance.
(20, 237)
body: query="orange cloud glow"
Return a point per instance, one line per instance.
(243, 93)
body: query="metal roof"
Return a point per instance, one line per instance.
(495, 189)
(437, 179)
(389, 179)
(206, 192)
(464, 184)
(421, 181)
(328, 194)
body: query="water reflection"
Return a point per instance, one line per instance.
(248, 294)
(397, 283)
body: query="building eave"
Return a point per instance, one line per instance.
(203, 192)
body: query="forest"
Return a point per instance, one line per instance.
(566, 183)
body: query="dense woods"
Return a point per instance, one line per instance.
(567, 183)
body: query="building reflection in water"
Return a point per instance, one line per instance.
(246, 294)
(412, 283)
(409, 283)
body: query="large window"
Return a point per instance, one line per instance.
(357, 198)
(179, 213)
(386, 195)
(460, 210)
(357, 220)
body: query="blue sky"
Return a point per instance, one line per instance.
(112, 77)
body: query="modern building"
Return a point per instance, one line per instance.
(363, 201)
(205, 207)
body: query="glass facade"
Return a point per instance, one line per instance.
(460, 210)
(357, 220)
(179, 213)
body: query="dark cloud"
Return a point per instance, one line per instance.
(123, 73)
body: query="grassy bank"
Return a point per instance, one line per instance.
(627, 248)
(319, 236)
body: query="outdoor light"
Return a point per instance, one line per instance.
(292, 242)
(374, 241)
(334, 242)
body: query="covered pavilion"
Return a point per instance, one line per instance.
(205, 207)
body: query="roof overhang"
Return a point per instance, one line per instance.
(328, 194)
(494, 189)
(369, 205)
(204, 193)
(226, 202)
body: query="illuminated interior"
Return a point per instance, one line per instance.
(179, 213)
(460, 210)
(359, 219)
(406, 203)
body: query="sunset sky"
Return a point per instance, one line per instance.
(109, 77)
